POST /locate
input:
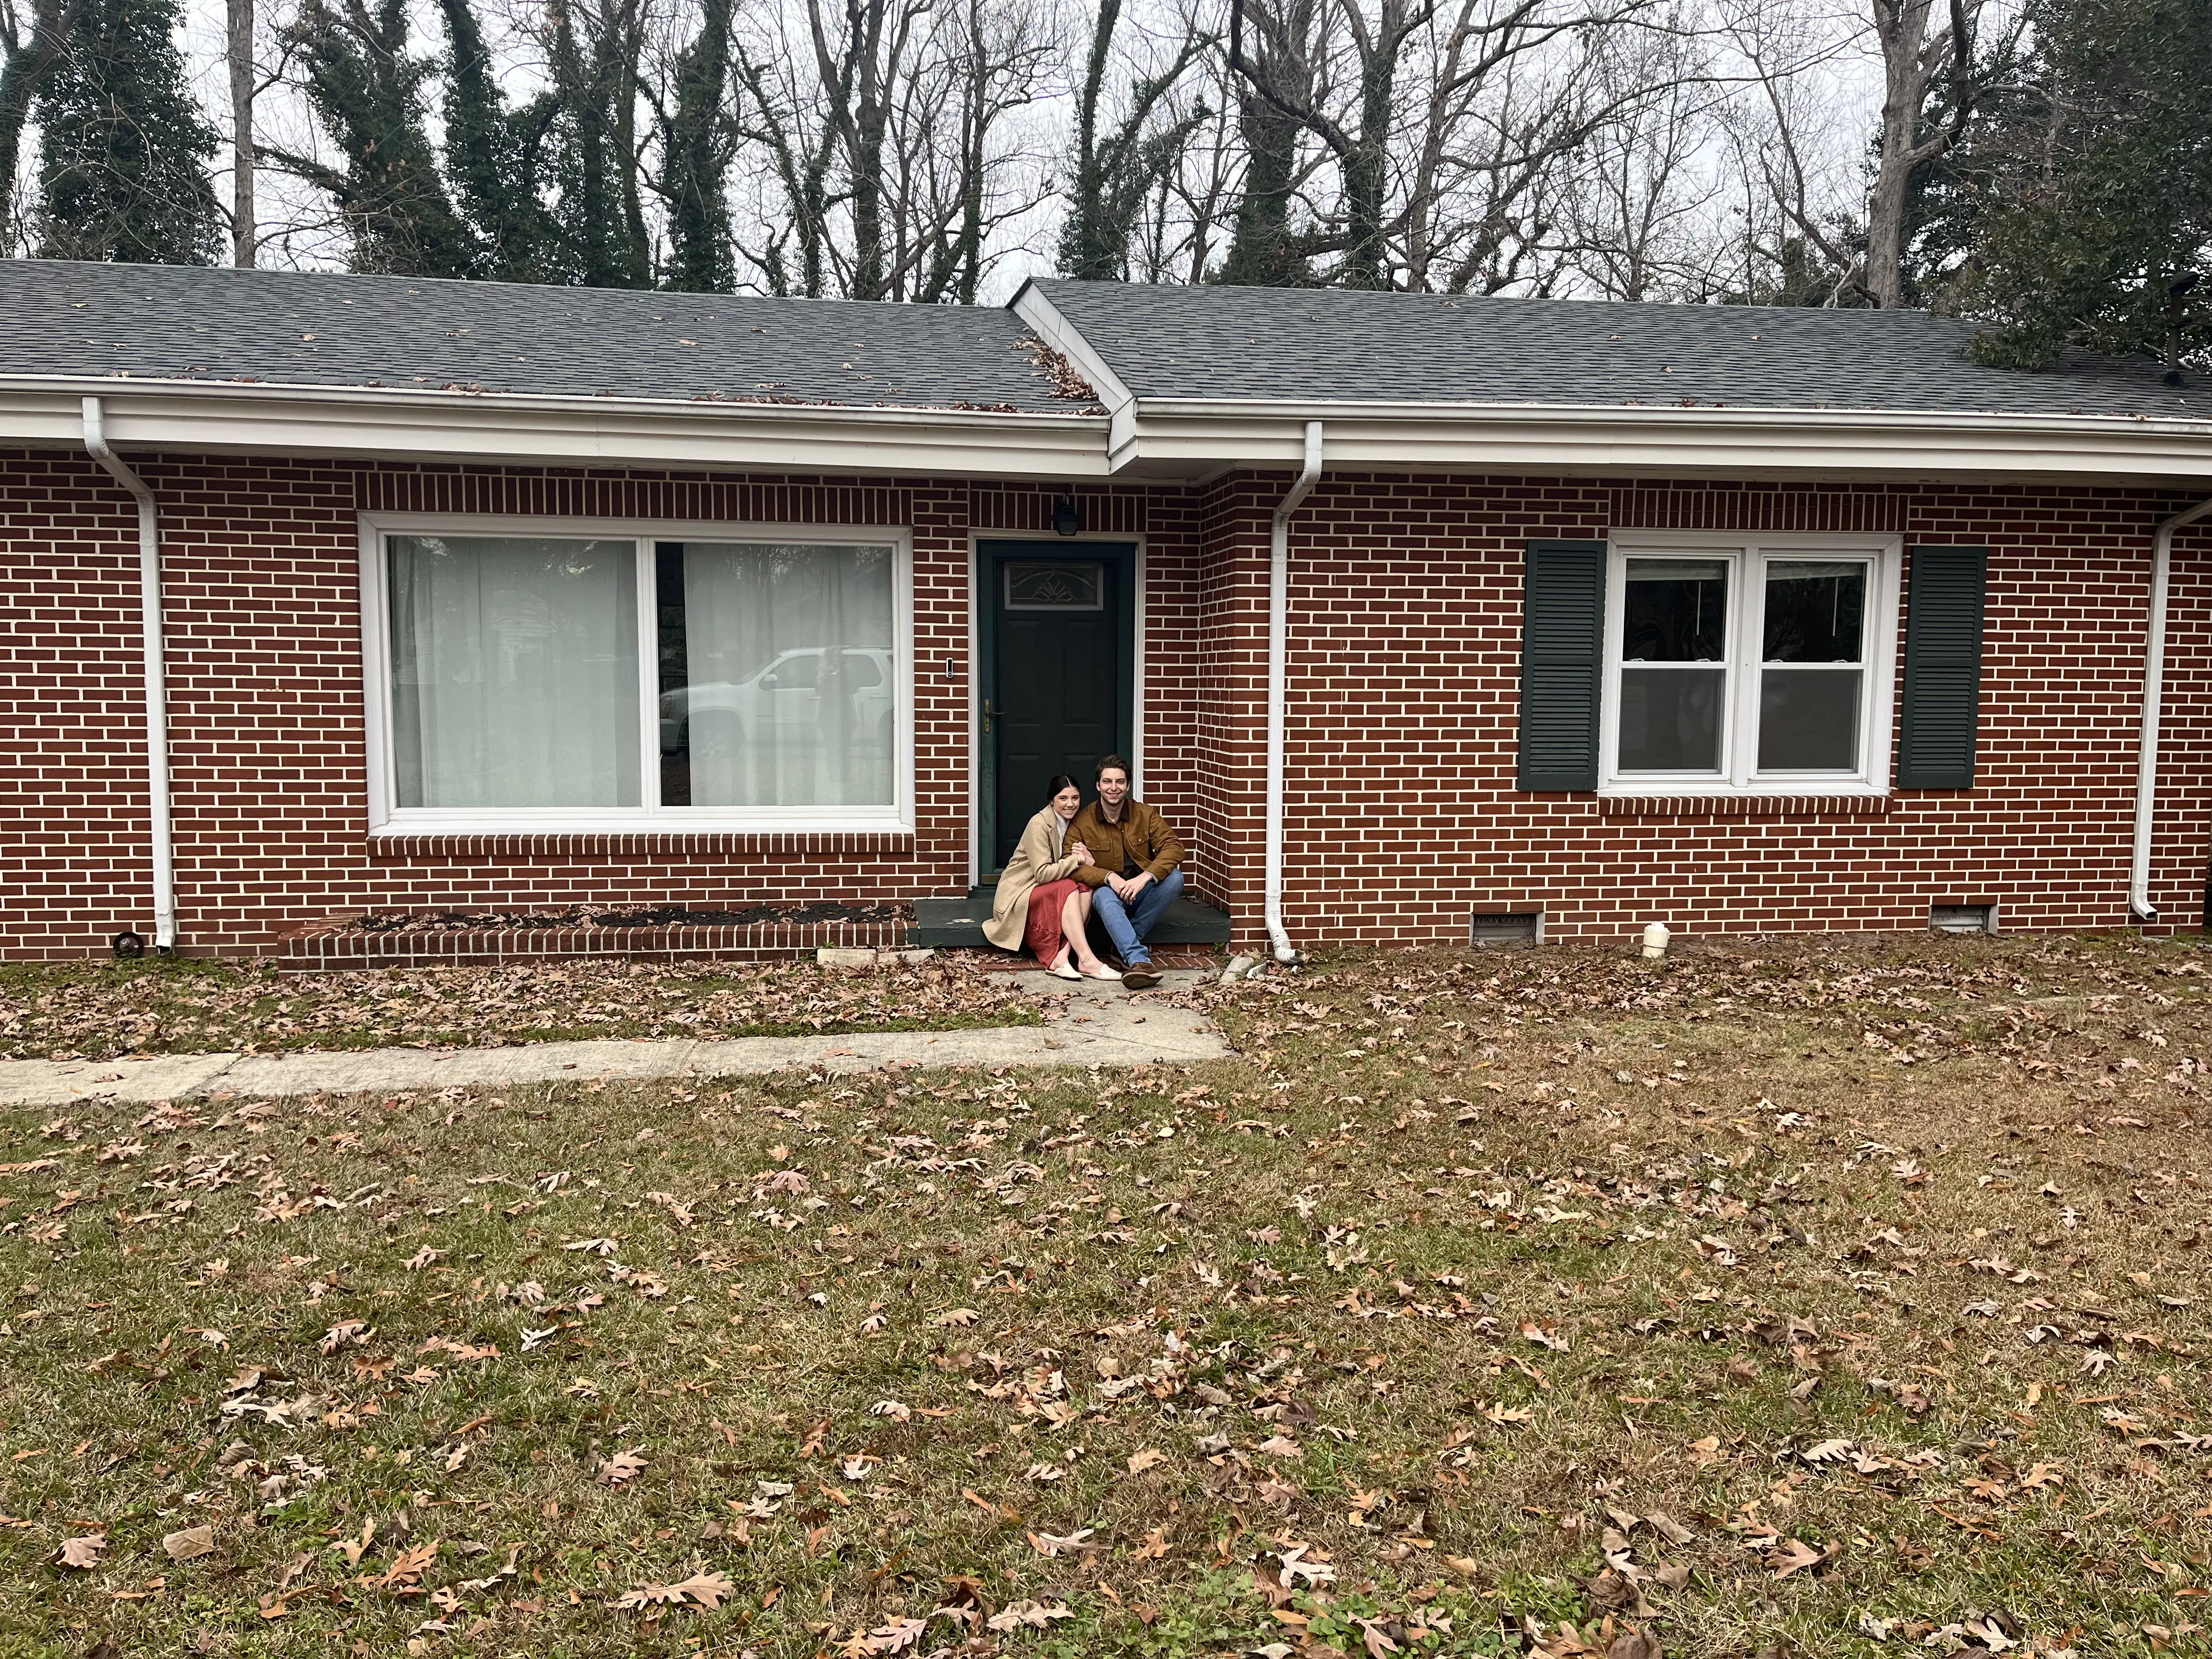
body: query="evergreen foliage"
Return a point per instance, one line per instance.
(2095, 221)
(125, 151)
(494, 157)
(696, 141)
(595, 70)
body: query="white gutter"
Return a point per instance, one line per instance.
(501, 428)
(1190, 437)
(2161, 572)
(1279, 664)
(157, 714)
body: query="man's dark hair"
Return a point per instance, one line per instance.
(1109, 763)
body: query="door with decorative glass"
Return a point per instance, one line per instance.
(1056, 688)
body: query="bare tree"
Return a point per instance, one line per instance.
(1637, 192)
(1114, 171)
(859, 53)
(1912, 56)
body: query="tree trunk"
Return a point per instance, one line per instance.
(1910, 59)
(693, 157)
(245, 227)
(23, 67)
(1366, 170)
(1082, 246)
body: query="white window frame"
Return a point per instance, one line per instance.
(385, 818)
(1747, 555)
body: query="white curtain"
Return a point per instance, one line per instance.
(791, 699)
(515, 671)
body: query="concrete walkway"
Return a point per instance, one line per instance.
(1087, 1025)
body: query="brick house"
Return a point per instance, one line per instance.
(482, 597)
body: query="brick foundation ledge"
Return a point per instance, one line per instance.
(418, 847)
(1742, 806)
(336, 943)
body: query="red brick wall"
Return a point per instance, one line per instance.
(1404, 664)
(1406, 597)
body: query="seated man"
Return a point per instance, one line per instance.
(1135, 857)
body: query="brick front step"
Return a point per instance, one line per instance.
(340, 942)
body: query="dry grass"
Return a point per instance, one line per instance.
(97, 1010)
(1821, 1298)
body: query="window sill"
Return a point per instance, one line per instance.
(1742, 806)
(412, 844)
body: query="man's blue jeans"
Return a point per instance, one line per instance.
(1127, 925)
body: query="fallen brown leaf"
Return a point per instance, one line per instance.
(83, 1552)
(190, 1542)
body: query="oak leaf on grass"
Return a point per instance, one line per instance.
(1794, 1555)
(704, 1589)
(83, 1552)
(623, 1467)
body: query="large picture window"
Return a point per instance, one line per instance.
(1757, 666)
(602, 681)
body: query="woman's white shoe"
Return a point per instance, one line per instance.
(1104, 970)
(1064, 970)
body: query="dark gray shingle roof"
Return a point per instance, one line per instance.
(327, 329)
(1322, 345)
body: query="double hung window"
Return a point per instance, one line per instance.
(529, 678)
(1756, 665)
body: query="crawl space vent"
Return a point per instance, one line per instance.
(1963, 918)
(1525, 927)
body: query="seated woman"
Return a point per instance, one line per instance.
(1040, 904)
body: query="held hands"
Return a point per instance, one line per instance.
(1076, 849)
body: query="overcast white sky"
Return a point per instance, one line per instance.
(298, 234)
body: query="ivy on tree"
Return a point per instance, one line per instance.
(125, 152)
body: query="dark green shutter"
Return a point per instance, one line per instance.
(1935, 728)
(1562, 664)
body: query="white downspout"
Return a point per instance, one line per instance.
(157, 716)
(1279, 662)
(2161, 572)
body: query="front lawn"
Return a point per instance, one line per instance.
(97, 1010)
(1799, 1299)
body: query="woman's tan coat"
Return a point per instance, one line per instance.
(1035, 862)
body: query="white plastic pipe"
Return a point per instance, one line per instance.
(155, 672)
(1278, 668)
(2161, 573)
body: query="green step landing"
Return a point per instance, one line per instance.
(957, 923)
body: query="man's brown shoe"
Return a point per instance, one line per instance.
(1142, 977)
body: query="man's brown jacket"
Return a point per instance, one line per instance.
(1140, 841)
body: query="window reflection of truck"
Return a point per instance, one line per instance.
(781, 703)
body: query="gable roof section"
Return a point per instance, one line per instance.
(1222, 377)
(307, 329)
(1331, 346)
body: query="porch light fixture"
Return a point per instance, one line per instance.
(1068, 515)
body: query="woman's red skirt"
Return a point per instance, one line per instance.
(1043, 934)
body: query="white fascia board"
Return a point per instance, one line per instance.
(1191, 436)
(504, 429)
(1044, 317)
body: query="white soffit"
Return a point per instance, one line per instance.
(1140, 438)
(508, 428)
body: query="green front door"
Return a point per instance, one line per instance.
(1059, 646)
